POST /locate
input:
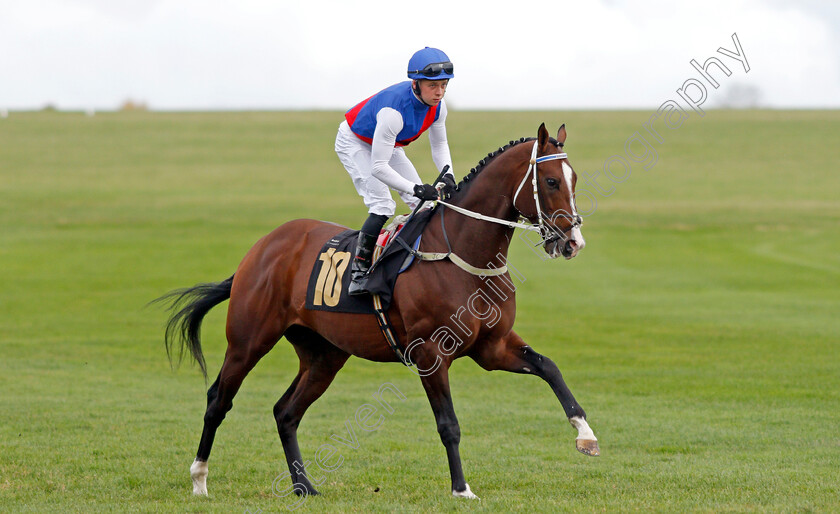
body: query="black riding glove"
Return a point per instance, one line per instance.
(449, 187)
(425, 192)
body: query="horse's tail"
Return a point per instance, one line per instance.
(189, 306)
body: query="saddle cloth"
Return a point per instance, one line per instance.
(330, 276)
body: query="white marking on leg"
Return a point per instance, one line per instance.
(198, 472)
(466, 493)
(584, 432)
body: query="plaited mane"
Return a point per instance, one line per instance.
(492, 155)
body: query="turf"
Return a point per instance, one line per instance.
(698, 328)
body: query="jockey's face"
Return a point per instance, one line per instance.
(432, 91)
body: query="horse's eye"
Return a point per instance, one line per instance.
(551, 182)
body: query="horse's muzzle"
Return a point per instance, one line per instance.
(570, 249)
(571, 246)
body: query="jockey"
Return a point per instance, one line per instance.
(370, 145)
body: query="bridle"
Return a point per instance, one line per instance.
(539, 227)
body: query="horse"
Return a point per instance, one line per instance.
(267, 296)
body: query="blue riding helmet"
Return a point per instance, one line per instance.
(430, 64)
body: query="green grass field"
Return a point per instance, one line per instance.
(699, 328)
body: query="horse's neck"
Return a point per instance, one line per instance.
(483, 243)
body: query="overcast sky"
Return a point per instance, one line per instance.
(330, 54)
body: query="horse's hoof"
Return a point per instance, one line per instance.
(301, 490)
(198, 473)
(466, 493)
(588, 447)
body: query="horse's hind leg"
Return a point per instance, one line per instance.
(512, 354)
(319, 363)
(242, 355)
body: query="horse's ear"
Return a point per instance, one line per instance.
(561, 134)
(542, 135)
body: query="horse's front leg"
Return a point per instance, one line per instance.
(436, 385)
(512, 354)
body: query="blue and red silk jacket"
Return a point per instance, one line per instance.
(417, 116)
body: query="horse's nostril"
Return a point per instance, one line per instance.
(570, 246)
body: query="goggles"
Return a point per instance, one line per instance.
(435, 69)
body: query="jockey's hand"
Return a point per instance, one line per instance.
(425, 192)
(449, 187)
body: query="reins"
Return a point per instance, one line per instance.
(454, 258)
(532, 170)
(539, 226)
(535, 227)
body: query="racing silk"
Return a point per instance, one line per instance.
(417, 117)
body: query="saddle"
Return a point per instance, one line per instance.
(329, 279)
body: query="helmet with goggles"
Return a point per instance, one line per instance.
(430, 64)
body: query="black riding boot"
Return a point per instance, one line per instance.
(361, 264)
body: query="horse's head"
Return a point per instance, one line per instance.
(551, 202)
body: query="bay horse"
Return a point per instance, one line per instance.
(268, 296)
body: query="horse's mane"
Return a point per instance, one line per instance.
(492, 155)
